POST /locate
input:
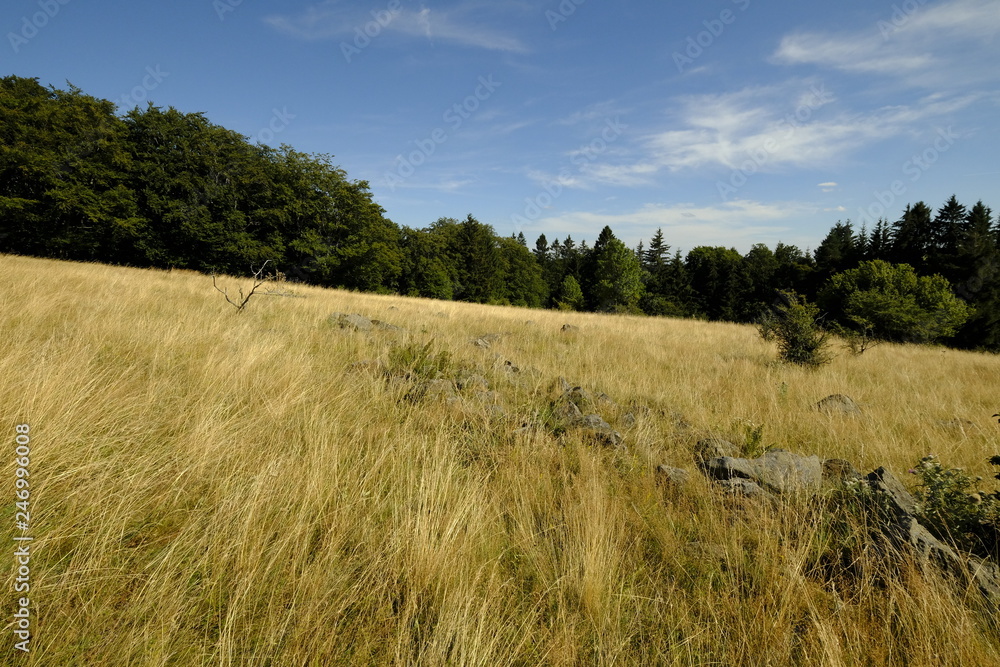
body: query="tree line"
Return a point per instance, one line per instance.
(160, 188)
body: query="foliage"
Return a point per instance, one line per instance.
(953, 508)
(570, 295)
(894, 303)
(793, 324)
(618, 284)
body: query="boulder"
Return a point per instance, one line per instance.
(673, 476)
(896, 509)
(713, 448)
(838, 404)
(742, 487)
(569, 328)
(351, 321)
(777, 471)
(839, 470)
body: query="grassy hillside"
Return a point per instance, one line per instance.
(214, 488)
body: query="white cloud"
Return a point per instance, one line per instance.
(943, 44)
(739, 223)
(331, 20)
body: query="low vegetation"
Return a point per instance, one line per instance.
(264, 489)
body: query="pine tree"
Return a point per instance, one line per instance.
(950, 226)
(618, 283)
(913, 237)
(976, 269)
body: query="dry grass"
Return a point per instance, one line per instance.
(214, 488)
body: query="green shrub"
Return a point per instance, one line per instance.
(951, 507)
(793, 324)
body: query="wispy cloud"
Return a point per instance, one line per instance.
(739, 223)
(332, 20)
(921, 46)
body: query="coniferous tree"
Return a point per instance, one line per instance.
(617, 279)
(976, 269)
(913, 237)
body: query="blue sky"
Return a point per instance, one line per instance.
(728, 122)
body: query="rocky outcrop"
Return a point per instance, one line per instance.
(896, 508)
(776, 471)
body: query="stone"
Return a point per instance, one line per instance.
(385, 326)
(742, 487)
(896, 508)
(962, 427)
(351, 321)
(839, 470)
(838, 404)
(712, 448)
(569, 328)
(777, 471)
(673, 476)
(475, 383)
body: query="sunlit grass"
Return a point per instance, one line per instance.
(218, 488)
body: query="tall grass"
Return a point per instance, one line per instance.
(214, 488)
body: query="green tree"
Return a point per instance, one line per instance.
(893, 303)
(913, 238)
(618, 278)
(719, 280)
(570, 296)
(522, 280)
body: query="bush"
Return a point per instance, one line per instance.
(891, 302)
(954, 510)
(793, 324)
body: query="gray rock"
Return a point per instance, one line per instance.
(475, 383)
(673, 476)
(351, 321)
(777, 471)
(385, 326)
(742, 487)
(962, 427)
(713, 448)
(838, 404)
(481, 343)
(567, 413)
(896, 508)
(839, 470)
(569, 328)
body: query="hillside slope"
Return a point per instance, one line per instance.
(221, 488)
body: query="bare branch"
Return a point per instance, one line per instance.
(257, 282)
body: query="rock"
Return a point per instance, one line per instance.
(838, 404)
(479, 342)
(569, 328)
(839, 470)
(713, 448)
(777, 471)
(742, 487)
(351, 321)
(600, 430)
(896, 508)
(673, 476)
(567, 413)
(385, 326)
(962, 427)
(440, 389)
(473, 383)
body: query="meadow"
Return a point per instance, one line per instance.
(211, 487)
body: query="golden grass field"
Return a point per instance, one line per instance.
(218, 488)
